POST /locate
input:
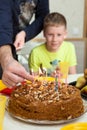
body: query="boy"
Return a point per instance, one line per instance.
(55, 49)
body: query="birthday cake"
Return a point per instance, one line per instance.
(41, 100)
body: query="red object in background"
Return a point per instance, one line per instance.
(7, 91)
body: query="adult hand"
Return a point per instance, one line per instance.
(20, 40)
(14, 73)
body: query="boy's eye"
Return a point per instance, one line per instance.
(58, 34)
(50, 34)
(53, 35)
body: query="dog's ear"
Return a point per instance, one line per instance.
(32, 3)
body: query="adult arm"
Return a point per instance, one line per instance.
(13, 72)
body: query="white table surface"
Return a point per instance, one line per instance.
(11, 123)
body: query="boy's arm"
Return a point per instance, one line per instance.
(32, 61)
(72, 70)
(73, 59)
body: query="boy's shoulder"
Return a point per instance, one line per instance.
(38, 47)
(68, 43)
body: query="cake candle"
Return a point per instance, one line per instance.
(40, 72)
(56, 83)
(32, 72)
(44, 71)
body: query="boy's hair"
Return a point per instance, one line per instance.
(54, 19)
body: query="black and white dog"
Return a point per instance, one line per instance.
(26, 13)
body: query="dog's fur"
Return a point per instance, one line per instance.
(27, 10)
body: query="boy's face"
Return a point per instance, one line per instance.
(54, 35)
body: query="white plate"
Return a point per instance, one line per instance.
(47, 122)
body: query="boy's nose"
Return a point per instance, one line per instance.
(55, 38)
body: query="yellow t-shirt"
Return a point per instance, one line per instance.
(40, 55)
